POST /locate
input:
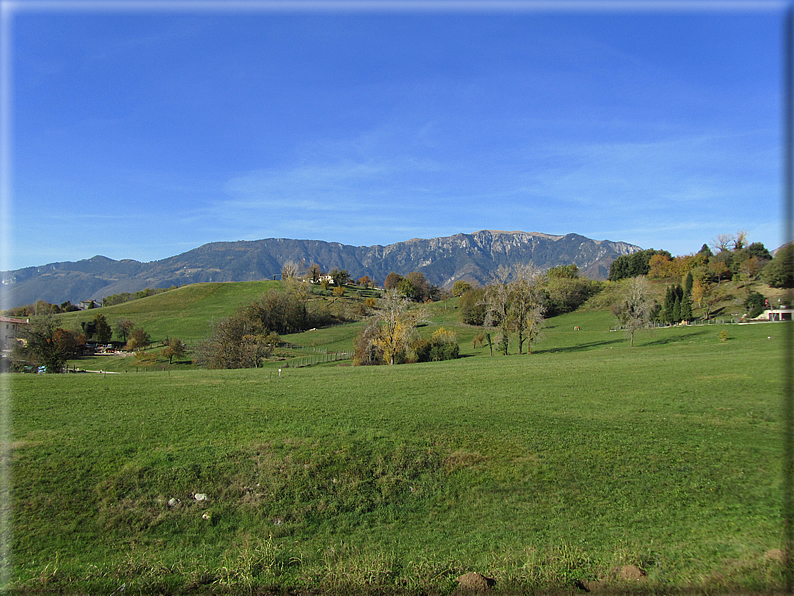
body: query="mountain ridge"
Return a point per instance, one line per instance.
(442, 260)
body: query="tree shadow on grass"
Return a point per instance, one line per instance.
(581, 347)
(676, 338)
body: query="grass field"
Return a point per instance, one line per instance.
(538, 471)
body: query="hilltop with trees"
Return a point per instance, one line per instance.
(729, 277)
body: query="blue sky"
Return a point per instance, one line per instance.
(144, 133)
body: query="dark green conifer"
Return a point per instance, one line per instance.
(669, 303)
(686, 308)
(677, 310)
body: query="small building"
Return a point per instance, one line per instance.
(11, 329)
(86, 304)
(778, 314)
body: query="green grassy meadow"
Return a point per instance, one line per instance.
(538, 471)
(184, 312)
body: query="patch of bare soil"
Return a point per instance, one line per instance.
(775, 554)
(473, 583)
(630, 574)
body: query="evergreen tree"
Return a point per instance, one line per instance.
(688, 283)
(686, 308)
(677, 310)
(669, 303)
(103, 329)
(757, 249)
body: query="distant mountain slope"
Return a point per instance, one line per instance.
(442, 261)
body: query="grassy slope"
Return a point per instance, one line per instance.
(537, 470)
(184, 312)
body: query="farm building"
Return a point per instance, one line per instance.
(10, 328)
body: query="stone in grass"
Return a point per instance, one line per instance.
(473, 583)
(172, 502)
(200, 497)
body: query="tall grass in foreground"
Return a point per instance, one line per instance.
(539, 471)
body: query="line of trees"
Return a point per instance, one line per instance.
(518, 301)
(413, 286)
(40, 307)
(730, 257)
(123, 297)
(515, 303)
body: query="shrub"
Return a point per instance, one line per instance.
(443, 345)
(460, 287)
(779, 272)
(755, 304)
(472, 307)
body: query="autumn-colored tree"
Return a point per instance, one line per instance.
(698, 290)
(660, 267)
(364, 282)
(392, 279)
(65, 341)
(718, 268)
(174, 347)
(339, 291)
(421, 286)
(391, 331)
(704, 296)
(139, 339)
(750, 268)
